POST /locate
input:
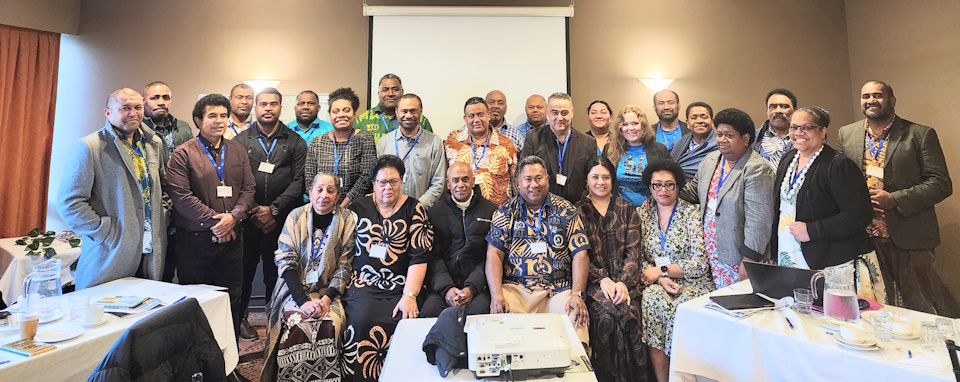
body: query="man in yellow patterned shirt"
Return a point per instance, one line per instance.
(490, 154)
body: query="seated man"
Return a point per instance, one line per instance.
(461, 220)
(542, 238)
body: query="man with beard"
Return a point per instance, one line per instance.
(156, 115)
(497, 103)
(773, 137)
(669, 129)
(307, 125)
(241, 101)
(536, 110)
(421, 152)
(382, 119)
(277, 157)
(490, 154)
(702, 139)
(907, 176)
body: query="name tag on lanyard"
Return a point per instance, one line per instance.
(266, 167)
(378, 251)
(538, 247)
(224, 191)
(313, 277)
(876, 172)
(561, 180)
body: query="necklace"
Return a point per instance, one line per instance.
(793, 180)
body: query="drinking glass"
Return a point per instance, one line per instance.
(77, 304)
(947, 330)
(930, 337)
(804, 299)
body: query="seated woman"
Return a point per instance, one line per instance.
(613, 285)
(394, 240)
(675, 266)
(314, 254)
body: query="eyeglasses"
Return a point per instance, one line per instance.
(669, 186)
(385, 182)
(805, 128)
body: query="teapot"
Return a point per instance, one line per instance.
(42, 290)
(839, 293)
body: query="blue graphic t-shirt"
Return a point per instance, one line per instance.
(630, 175)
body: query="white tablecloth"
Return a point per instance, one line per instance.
(15, 265)
(75, 359)
(762, 347)
(406, 360)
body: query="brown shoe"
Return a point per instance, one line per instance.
(247, 332)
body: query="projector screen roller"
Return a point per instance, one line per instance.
(447, 59)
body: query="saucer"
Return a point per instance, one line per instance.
(868, 343)
(90, 325)
(58, 333)
(829, 324)
(865, 346)
(909, 337)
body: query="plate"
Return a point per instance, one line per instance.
(44, 320)
(829, 324)
(58, 333)
(80, 322)
(869, 343)
(910, 337)
(853, 346)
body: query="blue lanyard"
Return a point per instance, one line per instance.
(722, 178)
(386, 125)
(235, 132)
(599, 152)
(170, 146)
(663, 233)
(219, 168)
(539, 218)
(397, 148)
(476, 161)
(563, 151)
(273, 145)
(667, 141)
(336, 160)
(796, 175)
(876, 154)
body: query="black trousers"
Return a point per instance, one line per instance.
(205, 262)
(170, 263)
(258, 246)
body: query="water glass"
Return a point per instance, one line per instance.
(930, 337)
(804, 300)
(77, 304)
(947, 330)
(881, 327)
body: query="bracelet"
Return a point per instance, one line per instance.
(409, 294)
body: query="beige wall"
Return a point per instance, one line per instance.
(914, 49)
(61, 16)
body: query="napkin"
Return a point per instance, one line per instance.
(931, 362)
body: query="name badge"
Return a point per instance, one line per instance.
(561, 179)
(313, 277)
(712, 205)
(341, 182)
(876, 172)
(538, 247)
(662, 260)
(224, 191)
(478, 179)
(147, 241)
(378, 251)
(266, 167)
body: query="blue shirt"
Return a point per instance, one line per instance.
(317, 128)
(630, 175)
(668, 137)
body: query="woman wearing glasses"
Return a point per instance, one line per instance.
(734, 188)
(675, 267)
(631, 150)
(824, 206)
(394, 240)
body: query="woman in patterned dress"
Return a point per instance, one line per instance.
(394, 240)
(613, 285)
(314, 254)
(675, 266)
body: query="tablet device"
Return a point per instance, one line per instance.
(778, 282)
(742, 301)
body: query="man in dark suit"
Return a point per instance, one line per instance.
(563, 148)
(907, 176)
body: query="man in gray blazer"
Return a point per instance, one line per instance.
(907, 176)
(111, 196)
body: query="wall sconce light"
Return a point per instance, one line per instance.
(259, 85)
(656, 84)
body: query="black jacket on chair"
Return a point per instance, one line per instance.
(170, 345)
(460, 248)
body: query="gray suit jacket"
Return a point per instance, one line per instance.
(744, 207)
(915, 173)
(100, 200)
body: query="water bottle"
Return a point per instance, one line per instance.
(881, 327)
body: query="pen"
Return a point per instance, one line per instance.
(789, 323)
(909, 354)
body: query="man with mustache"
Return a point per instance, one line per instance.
(382, 119)
(277, 156)
(241, 103)
(497, 103)
(773, 138)
(421, 152)
(666, 103)
(907, 176)
(490, 154)
(111, 196)
(536, 110)
(690, 150)
(307, 125)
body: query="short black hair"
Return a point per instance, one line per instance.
(343, 93)
(664, 165)
(820, 116)
(389, 76)
(154, 83)
(411, 95)
(883, 85)
(308, 92)
(530, 160)
(240, 86)
(603, 161)
(387, 161)
(474, 101)
(783, 92)
(269, 91)
(590, 106)
(739, 120)
(699, 104)
(208, 100)
(675, 95)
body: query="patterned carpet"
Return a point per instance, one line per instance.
(251, 352)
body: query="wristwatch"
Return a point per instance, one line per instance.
(663, 271)
(579, 294)
(409, 294)
(274, 211)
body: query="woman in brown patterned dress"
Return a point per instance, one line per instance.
(613, 288)
(394, 239)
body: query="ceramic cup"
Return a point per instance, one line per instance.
(853, 333)
(901, 326)
(92, 314)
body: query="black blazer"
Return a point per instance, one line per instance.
(835, 204)
(582, 148)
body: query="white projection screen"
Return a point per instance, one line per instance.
(448, 58)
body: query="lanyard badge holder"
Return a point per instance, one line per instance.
(266, 166)
(223, 190)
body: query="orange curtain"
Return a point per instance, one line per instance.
(28, 96)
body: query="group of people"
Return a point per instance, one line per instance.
(371, 218)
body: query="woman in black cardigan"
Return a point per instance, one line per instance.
(824, 204)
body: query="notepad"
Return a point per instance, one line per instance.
(122, 302)
(28, 348)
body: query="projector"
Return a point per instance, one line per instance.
(521, 345)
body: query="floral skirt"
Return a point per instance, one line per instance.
(368, 332)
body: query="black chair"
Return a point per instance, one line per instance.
(173, 344)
